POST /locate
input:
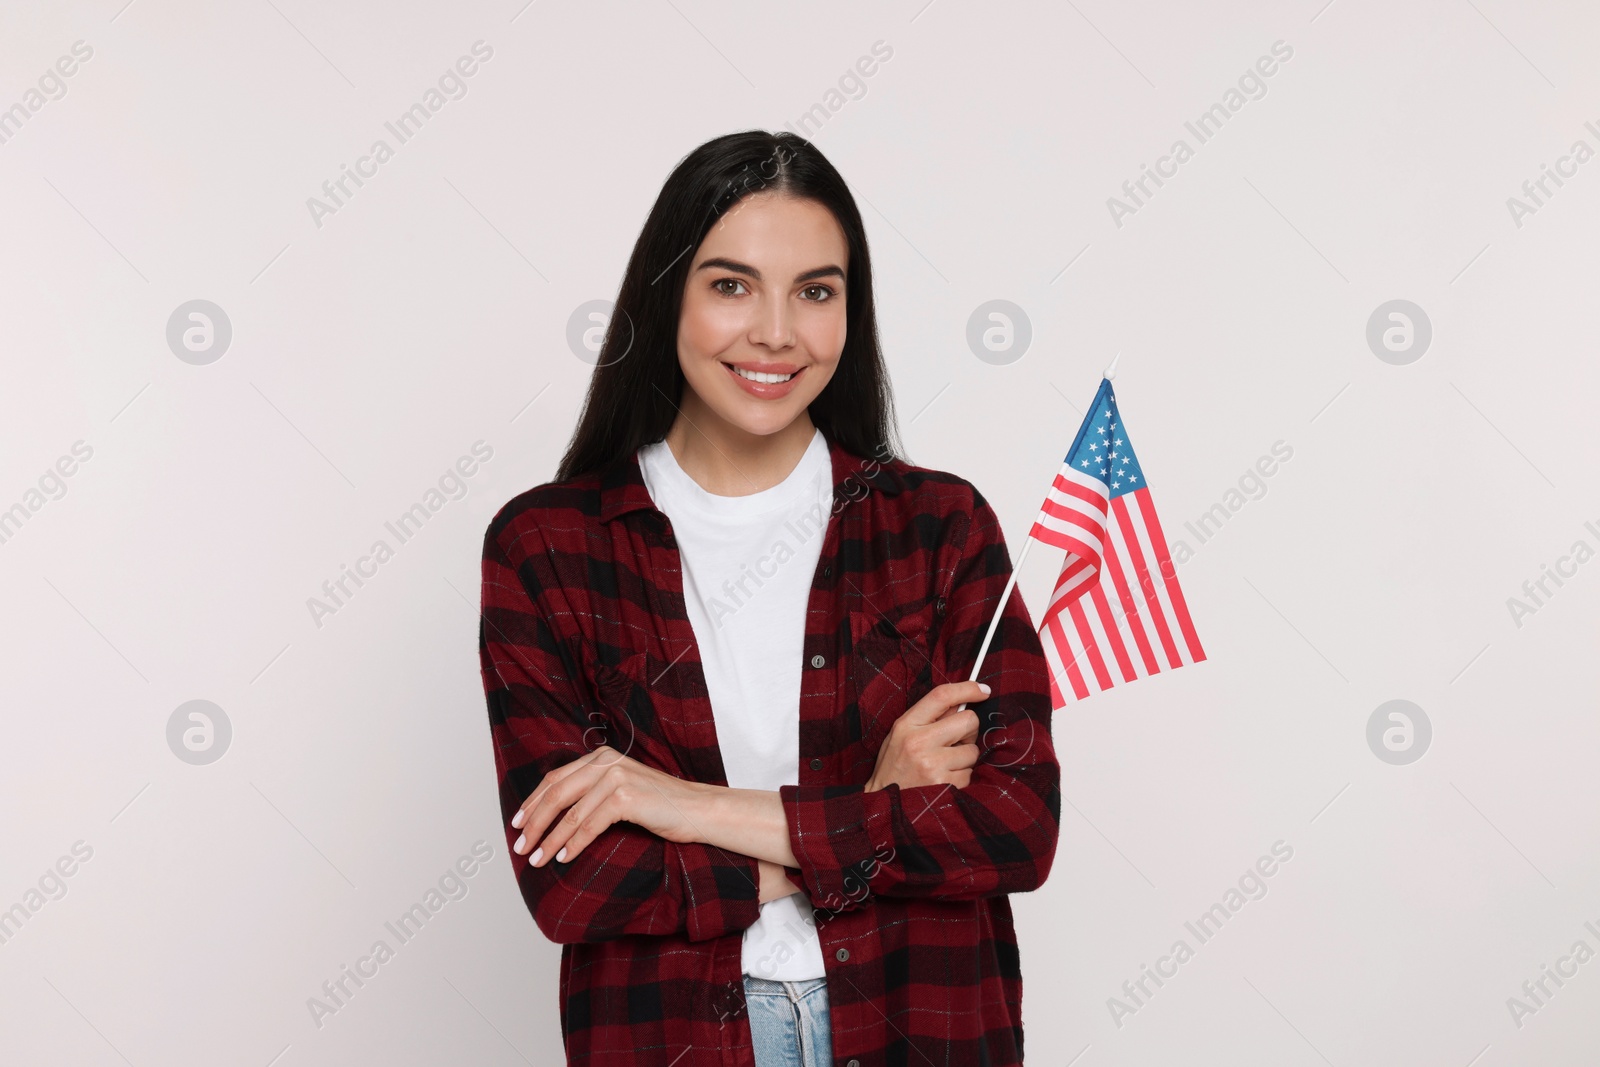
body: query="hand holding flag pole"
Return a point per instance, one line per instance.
(1117, 606)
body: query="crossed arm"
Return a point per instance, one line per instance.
(648, 853)
(577, 803)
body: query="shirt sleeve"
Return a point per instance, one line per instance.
(627, 881)
(998, 834)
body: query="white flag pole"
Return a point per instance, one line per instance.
(1016, 568)
(994, 623)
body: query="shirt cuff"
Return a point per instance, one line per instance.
(840, 836)
(721, 890)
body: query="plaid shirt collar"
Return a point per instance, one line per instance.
(622, 487)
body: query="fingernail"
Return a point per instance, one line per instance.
(521, 840)
(561, 857)
(534, 859)
(516, 820)
(985, 688)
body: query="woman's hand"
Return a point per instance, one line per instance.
(596, 790)
(927, 746)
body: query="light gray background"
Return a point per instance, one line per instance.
(431, 312)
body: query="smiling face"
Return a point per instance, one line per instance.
(762, 322)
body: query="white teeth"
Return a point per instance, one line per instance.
(757, 376)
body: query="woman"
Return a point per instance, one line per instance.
(724, 651)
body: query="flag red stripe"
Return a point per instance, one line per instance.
(1096, 663)
(1061, 595)
(1069, 659)
(1060, 539)
(1068, 524)
(1169, 573)
(1158, 614)
(1069, 576)
(1130, 607)
(1077, 548)
(1093, 525)
(1108, 623)
(1067, 487)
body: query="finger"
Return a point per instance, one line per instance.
(976, 692)
(926, 710)
(971, 736)
(586, 820)
(519, 820)
(953, 727)
(561, 828)
(570, 834)
(964, 757)
(554, 778)
(968, 693)
(941, 698)
(537, 809)
(551, 803)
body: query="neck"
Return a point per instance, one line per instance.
(729, 461)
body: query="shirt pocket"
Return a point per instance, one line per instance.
(889, 670)
(622, 705)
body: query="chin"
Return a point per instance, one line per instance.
(763, 424)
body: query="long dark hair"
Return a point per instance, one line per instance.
(637, 382)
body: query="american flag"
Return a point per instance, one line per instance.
(1117, 613)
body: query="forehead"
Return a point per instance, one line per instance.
(777, 228)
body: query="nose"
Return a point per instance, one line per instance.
(773, 326)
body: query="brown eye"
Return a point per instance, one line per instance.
(720, 282)
(827, 294)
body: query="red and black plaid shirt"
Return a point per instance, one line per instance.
(584, 640)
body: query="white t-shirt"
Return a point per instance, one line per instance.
(748, 564)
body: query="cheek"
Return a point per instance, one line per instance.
(824, 334)
(705, 329)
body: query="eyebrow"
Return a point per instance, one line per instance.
(719, 263)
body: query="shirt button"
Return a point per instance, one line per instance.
(827, 570)
(818, 661)
(842, 955)
(939, 607)
(853, 1063)
(816, 764)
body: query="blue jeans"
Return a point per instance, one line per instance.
(789, 1022)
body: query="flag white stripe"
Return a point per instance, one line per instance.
(1162, 596)
(1053, 658)
(1105, 640)
(1142, 609)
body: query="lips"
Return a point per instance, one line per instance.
(766, 390)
